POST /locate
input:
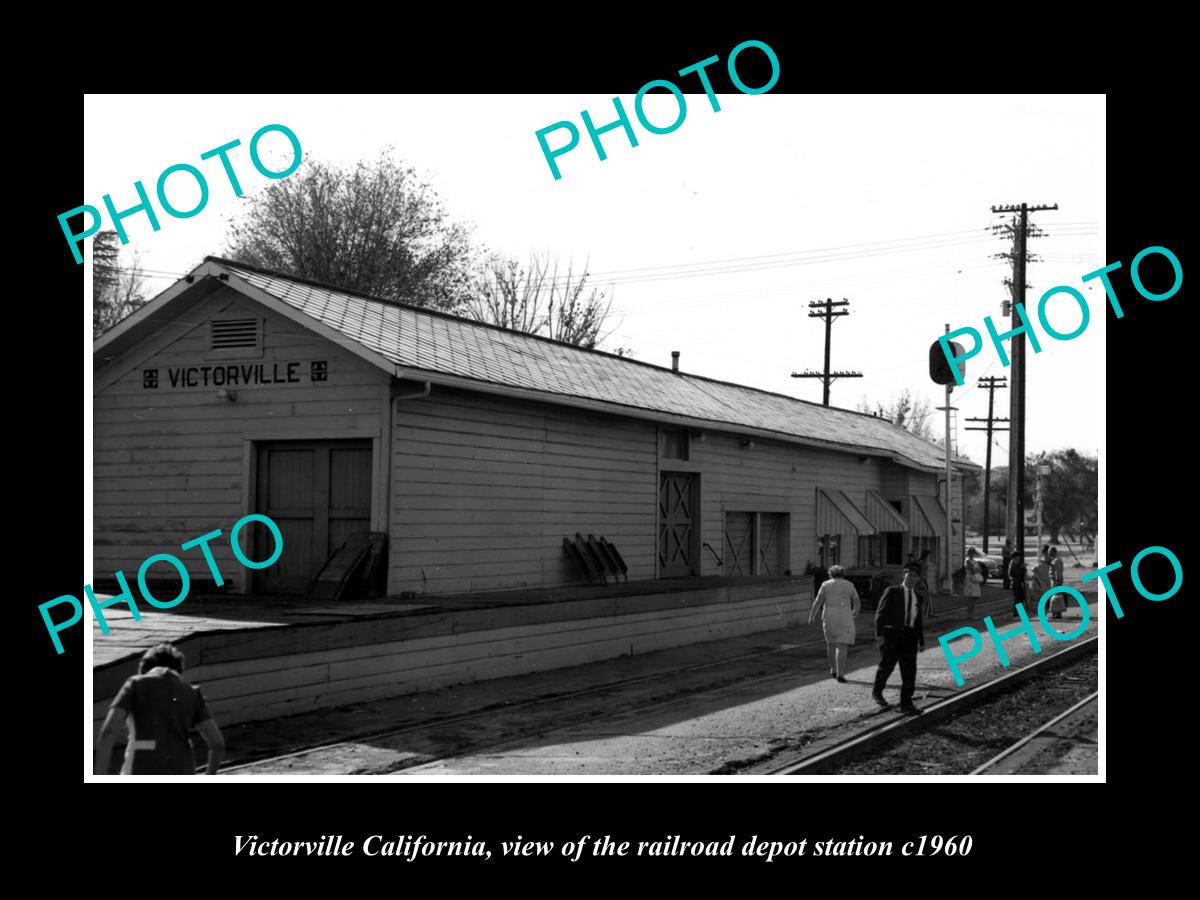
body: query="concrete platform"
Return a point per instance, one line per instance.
(262, 658)
(729, 706)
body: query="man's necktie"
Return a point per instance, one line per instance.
(908, 607)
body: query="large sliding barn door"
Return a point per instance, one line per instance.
(678, 497)
(318, 493)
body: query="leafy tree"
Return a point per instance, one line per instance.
(116, 291)
(1070, 493)
(541, 299)
(906, 411)
(375, 228)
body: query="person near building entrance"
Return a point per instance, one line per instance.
(1039, 581)
(1058, 603)
(923, 567)
(819, 574)
(899, 633)
(838, 602)
(1017, 575)
(160, 709)
(972, 581)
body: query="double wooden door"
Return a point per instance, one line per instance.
(318, 493)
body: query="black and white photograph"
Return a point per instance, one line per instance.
(702, 432)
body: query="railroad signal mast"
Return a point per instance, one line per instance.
(828, 310)
(941, 372)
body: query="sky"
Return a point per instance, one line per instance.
(713, 239)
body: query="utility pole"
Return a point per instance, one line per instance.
(828, 310)
(993, 383)
(1020, 229)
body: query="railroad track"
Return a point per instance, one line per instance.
(250, 763)
(888, 734)
(1061, 733)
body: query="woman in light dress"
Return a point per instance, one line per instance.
(974, 578)
(838, 601)
(1040, 580)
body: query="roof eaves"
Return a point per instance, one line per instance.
(154, 306)
(303, 319)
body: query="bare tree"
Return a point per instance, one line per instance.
(375, 229)
(116, 290)
(906, 411)
(507, 296)
(541, 299)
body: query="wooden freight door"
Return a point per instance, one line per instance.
(739, 544)
(677, 499)
(318, 493)
(773, 544)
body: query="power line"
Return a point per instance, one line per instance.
(835, 247)
(884, 276)
(740, 265)
(706, 270)
(776, 261)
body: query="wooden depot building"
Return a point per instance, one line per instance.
(476, 450)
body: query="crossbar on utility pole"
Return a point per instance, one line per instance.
(828, 310)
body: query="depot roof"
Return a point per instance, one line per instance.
(414, 343)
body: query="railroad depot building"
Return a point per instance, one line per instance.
(477, 450)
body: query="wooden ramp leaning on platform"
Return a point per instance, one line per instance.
(599, 558)
(353, 570)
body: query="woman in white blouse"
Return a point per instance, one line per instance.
(838, 601)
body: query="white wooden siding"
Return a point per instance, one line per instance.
(485, 489)
(170, 463)
(776, 477)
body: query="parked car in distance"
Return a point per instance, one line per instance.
(991, 564)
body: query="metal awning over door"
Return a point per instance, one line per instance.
(928, 516)
(883, 515)
(837, 514)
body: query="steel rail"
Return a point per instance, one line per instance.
(807, 764)
(1034, 735)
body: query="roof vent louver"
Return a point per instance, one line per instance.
(232, 334)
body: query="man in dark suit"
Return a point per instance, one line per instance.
(1006, 556)
(899, 632)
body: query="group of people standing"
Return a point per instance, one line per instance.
(1030, 584)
